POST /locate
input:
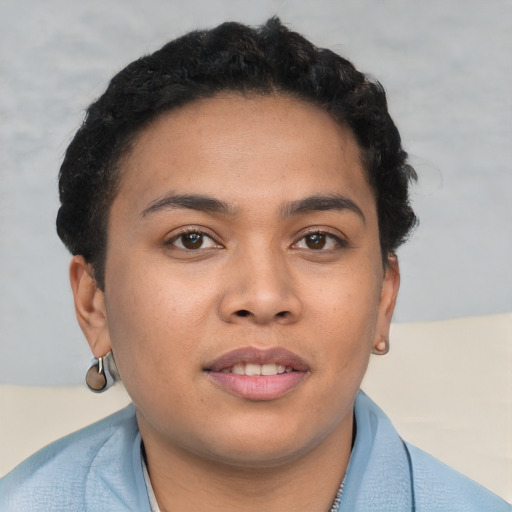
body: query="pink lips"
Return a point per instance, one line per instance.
(260, 387)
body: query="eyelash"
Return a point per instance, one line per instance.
(202, 234)
(339, 242)
(324, 238)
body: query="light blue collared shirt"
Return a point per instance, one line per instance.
(101, 468)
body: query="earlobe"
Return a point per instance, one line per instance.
(381, 347)
(389, 293)
(89, 306)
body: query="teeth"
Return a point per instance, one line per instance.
(269, 369)
(252, 369)
(239, 369)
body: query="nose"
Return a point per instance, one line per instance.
(260, 289)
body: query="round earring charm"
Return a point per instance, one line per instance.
(95, 377)
(102, 374)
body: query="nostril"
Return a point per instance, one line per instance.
(282, 314)
(243, 312)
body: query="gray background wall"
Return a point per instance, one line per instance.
(446, 65)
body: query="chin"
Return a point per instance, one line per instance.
(258, 458)
(269, 448)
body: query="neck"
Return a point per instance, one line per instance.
(184, 481)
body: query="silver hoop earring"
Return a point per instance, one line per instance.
(102, 374)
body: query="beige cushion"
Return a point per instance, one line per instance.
(447, 387)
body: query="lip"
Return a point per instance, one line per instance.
(262, 387)
(258, 356)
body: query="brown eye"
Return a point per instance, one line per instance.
(315, 240)
(193, 241)
(320, 241)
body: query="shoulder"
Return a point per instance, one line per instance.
(386, 473)
(58, 477)
(437, 487)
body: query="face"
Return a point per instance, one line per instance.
(244, 284)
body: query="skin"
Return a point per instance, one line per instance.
(167, 311)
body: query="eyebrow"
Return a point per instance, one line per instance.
(322, 203)
(189, 201)
(211, 205)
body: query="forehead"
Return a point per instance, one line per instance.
(241, 149)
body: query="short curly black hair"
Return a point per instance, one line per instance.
(270, 59)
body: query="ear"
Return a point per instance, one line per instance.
(389, 293)
(89, 306)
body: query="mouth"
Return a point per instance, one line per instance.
(253, 369)
(256, 374)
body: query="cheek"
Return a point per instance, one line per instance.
(155, 323)
(345, 311)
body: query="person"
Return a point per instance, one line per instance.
(233, 203)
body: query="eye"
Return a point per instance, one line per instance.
(193, 240)
(320, 240)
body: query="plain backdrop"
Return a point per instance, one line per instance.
(446, 67)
